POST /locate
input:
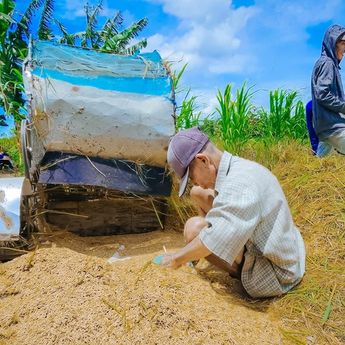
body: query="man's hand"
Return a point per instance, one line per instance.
(194, 250)
(169, 260)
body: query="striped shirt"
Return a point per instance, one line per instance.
(250, 210)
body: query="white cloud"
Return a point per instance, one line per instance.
(289, 19)
(305, 12)
(206, 11)
(232, 64)
(209, 35)
(206, 101)
(209, 103)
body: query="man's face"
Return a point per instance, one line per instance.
(340, 49)
(202, 172)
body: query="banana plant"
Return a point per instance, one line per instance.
(14, 36)
(110, 38)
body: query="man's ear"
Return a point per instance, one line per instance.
(202, 157)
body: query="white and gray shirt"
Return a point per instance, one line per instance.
(250, 210)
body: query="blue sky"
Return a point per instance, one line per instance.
(268, 43)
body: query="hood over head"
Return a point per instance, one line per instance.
(329, 41)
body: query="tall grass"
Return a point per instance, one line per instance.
(176, 77)
(238, 121)
(235, 115)
(285, 118)
(188, 114)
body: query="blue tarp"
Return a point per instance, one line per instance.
(142, 73)
(125, 176)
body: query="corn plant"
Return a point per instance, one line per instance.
(298, 122)
(187, 115)
(235, 116)
(285, 118)
(110, 38)
(210, 126)
(176, 78)
(281, 106)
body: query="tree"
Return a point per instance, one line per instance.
(14, 37)
(109, 38)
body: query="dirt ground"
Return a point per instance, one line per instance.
(4, 173)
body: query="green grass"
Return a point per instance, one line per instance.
(237, 120)
(235, 115)
(189, 116)
(285, 117)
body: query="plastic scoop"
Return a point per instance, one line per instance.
(158, 259)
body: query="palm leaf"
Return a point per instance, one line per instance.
(91, 35)
(61, 27)
(13, 48)
(44, 30)
(135, 48)
(6, 19)
(7, 6)
(26, 19)
(66, 37)
(122, 39)
(111, 27)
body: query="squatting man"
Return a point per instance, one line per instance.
(244, 225)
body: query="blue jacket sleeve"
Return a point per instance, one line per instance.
(323, 89)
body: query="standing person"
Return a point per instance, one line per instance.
(328, 94)
(245, 225)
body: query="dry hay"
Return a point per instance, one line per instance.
(315, 188)
(73, 296)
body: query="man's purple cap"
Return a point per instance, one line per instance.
(183, 148)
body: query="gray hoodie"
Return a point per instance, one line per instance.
(327, 89)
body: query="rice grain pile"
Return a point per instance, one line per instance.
(59, 296)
